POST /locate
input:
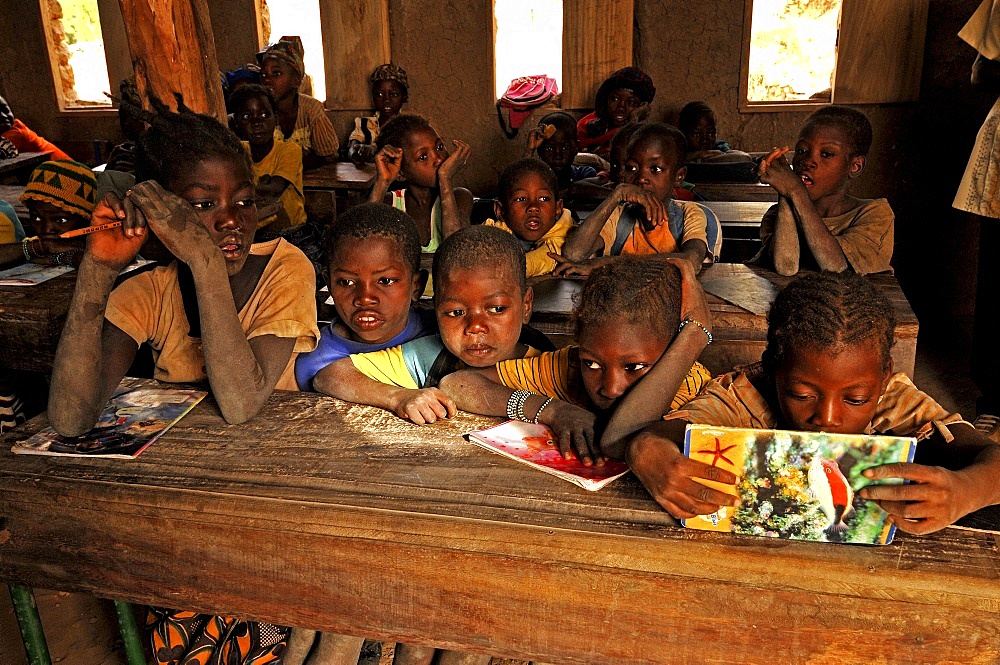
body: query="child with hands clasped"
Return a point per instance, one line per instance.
(409, 148)
(816, 223)
(827, 367)
(640, 216)
(629, 325)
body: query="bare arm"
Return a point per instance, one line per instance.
(695, 251)
(456, 202)
(585, 241)
(785, 242)
(387, 164)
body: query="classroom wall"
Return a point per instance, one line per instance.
(916, 162)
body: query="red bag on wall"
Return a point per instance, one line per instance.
(523, 95)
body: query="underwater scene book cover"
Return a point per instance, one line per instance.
(797, 485)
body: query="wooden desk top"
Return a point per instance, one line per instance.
(736, 191)
(23, 164)
(31, 320)
(338, 517)
(738, 212)
(340, 175)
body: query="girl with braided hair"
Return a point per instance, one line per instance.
(827, 367)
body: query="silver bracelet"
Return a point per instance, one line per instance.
(700, 325)
(515, 404)
(538, 413)
(26, 248)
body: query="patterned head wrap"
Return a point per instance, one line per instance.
(7, 149)
(629, 78)
(390, 72)
(67, 185)
(289, 49)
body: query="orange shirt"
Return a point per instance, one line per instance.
(27, 140)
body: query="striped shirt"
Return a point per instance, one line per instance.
(313, 130)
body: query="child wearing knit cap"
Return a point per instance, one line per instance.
(390, 90)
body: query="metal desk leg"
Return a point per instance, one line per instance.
(31, 625)
(130, 633)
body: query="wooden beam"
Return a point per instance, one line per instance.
(597, 40)
(173, 50)
(355, 32)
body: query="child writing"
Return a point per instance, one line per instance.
(555, 142)
(229, 311)
(697, 123)
(816, 223)
(640, 216)
(528, 206)
(390, 90)
(827, 367)
(301, 118)
(409, 148)
(481, 301)
(277, 165)
(623, 97)
(372, 268)
(628, 316)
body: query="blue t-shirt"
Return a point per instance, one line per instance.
(333, 347)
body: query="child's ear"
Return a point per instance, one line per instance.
(498, 210)
(325, 271)
(529, 299)
(681, 173)
(857, 166)
(889, 371)
(419, 284)
(559, 209)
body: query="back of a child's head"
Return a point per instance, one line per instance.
(399, 127)
(177, 141)
(692, 113)
(855, 125)
(668, 136)
(644, 291)
(480, 247)
(248, 91)
(370, 220)
(828, 311)
(514, 172)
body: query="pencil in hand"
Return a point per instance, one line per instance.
(87, 230)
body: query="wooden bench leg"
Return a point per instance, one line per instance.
(30, 624)
(130, 633)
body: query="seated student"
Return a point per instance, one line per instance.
(554, 141)
(301, 118)
(60, 196)
(628, 315)
(528, 205)
(390, 90)
(624, 97)
(277, 165)
(827, 367)
(234, 312)
(697, 123)
(655, 223)
(481, 301)
(23, 138)
(410, 148)
(372, 268)
(816, 223)
(122, 157)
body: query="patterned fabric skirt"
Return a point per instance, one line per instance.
(979, 192)
(188, 638)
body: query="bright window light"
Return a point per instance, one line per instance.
(528, 40)
(85, 79)
(301, 17)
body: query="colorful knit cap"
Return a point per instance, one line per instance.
(628, 78)
(67, 185)
(289, 49)
(390, 72)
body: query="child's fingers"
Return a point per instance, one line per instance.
(918, 510)
(135, 221)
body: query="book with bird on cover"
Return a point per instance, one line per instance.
(797, 485)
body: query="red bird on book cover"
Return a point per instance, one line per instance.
(834, 493)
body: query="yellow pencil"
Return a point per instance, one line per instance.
(90, 229)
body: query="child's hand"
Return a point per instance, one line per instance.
(425, 406)
(639, 113)
(174, 221)
(574, 430)
(656, 212)
(566, 268)
(669, 476)
(116, 248)
(455, 163)
(363, 154)
(935, 497)
(694, 306)
(774, 170)
(388, 161)
(537, 136)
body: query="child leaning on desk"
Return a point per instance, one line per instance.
(228, 310)
(816, 223)
(827, 367)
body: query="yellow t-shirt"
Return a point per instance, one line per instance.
(537, 258)
(557, 374)
(149, 308)
(284, 160)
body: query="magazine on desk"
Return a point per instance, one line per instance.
(130, 423)
(533, 445)
(797, 485)
(32, 274)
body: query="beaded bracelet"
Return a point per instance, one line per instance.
(26, 248)
(700, 325)
(65, 258)
(515, 404)
(538, 413)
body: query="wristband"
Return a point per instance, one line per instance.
(26, 248)
(515, 404)
(538, 413)
(700, 325)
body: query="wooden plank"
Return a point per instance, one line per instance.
(738, 212)
(885, 37)
(344, 518)
(31, 321)
(597, 40)
(736, 191)
(355, 32)
(340, 175)
(20, 167)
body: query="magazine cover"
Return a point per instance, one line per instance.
(30, 274)
(797, 485)
(132, 420)
(535, 445)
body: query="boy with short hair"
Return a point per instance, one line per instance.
(372, 267)
(555, 142)
(481, 300)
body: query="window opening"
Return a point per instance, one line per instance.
(527, 41)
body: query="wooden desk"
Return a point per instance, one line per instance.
(340, 175)
(736, 191)
(740, 222)
(31, 320)
(20, 167)
(12, 195)
(740, 332)
(345, 518)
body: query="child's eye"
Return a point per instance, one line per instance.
(386, 281)
(454, 313)
(422, 158)
(592, 365)
(631, 168)
(857, 401)
(343, 281)
(520, 199)
(656, 169)
(828, 154)
(201, 205)
(544, 199)
(246, 202)
(800, 151)
(636, 367)
(497, 309)
(799, 398)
